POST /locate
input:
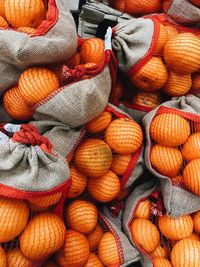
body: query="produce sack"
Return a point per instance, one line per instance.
(53, 40)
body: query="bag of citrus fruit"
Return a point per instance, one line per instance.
(47, 34)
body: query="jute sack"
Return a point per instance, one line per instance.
(57, 33)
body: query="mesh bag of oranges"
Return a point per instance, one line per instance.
(163, 241)
(33, 32)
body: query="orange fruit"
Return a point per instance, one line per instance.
(161, 262)
(120, 163)
(193, 236)
(93, 261)
(171, 31)
(196, 221)
(37, 83)
(50, 263)
(124, 136)
(93, 157)
(195, 2)
(2, 9)
(177, 84)
(15, 105)
(94, 237)
(78, 185)
(196, 126)
(176, 228)
(81, 216)
(15, 258)
(100, 123)
(75, 251)
(143, 209)
(162, 39)
(35, 208)
(152, 76)
(178, 181)
(182, 54)
(28, 30)
(191, 176)
(24, 13)
(145, 234)
(43, 236)
(74, 61)
(3, 258)
(149, 99)
(166, 160)
(159, 252)
(3, 22)
(13, 218)
(118, 90)
(186, 253)
(191, 148)
(169, 129)
(47, 201)
(92, 51)
(195, 88)
(104, 188)
(108, 250)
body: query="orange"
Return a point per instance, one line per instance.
(196, 126)
(195, 2)
(15, 258)
(159, 252)
(78, 185)
(43, 236)
(143, 209)
(35, 208)
(169, 129)
(37, 83)
(191, 148)
(120, 163)
(195, 83)
(145, 234)
(100, 123)
(152, 76)
(162, 39)
(47, 201)
(81, 216)
(182, 54)
(186, 253)
(177, 84)
(166, 160)
(196, 221)
(75, 251)
(161, 262)
(93, 157)
(15, 104)
(175, 228)
(94, 237)
(178, 180)
(108, 250)
(2, 9)
(124, 136)
(104, 188)
(93, 261)
(191, 176)
(171, 31)
(149, 99)
(74, 61)
(92, 51)
(3, 22)
(13, 218)
(28, 30)
(3, 258)
(194, 236)
(24, 13)
(118, 90)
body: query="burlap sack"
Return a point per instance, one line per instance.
(55, 40)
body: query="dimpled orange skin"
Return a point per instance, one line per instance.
(195, 88)
(92, 51)
(162, 39)
(3, 258)
(100, 123)
(191, 148)
(28, 13)
(166, 160)
(37, 83)
(171, 31)
(46, 201)
(120, 163)
(81, 216)
(195, 2)
(181, 53)
(75, 251)
(94, 237)
(15, 105)
(186, 253)
(161, 262)
(2, 9)
(145, 234)
(169, 129)
(104, 188)
(93, 157)
(191, 176)
(43, 236)
(124, 136)
(15, 258)
(149, 99)
(3, 22)
(143, 209)
(159, 252)
(78, 185)
(93, 261)
(13, 218)
(27, 30)
(108, 250)
(152, 76)
(176, 228)
(196, 221)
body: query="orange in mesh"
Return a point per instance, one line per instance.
(25, 13)
(196, 126)
(186, 253)
(13, 218)
(194, 236)
(149, 99)
(159, 252)
(177, 84)
(166, 160)
(3, 22)
(176, 228)
(104, 188)
(3, 258)
(161, 262)
(120, 163)
(15, 104)
(74, 61)
(196, 221)
(44, 235)
(47, 201)
(169, 129)
(37, 83)
(15, 258)
(50, 263)
(28, 30)
(93, 261)
(162, 39)
(78, 185)
(195, 2)
(124, 136)
(118, 90)
(143, 209)
(195, 88)
(92, 50)
(93, 157)
(2, 9)
(35, 208)
(75, 251)
(191, 148)
(81, 216)
(152, 76)
(182, 54)
(94, 237)
(108, 250)
(171, 31)
(100, 123)
(191, 176)
(178, 181)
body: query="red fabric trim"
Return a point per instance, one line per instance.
(137, 107)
